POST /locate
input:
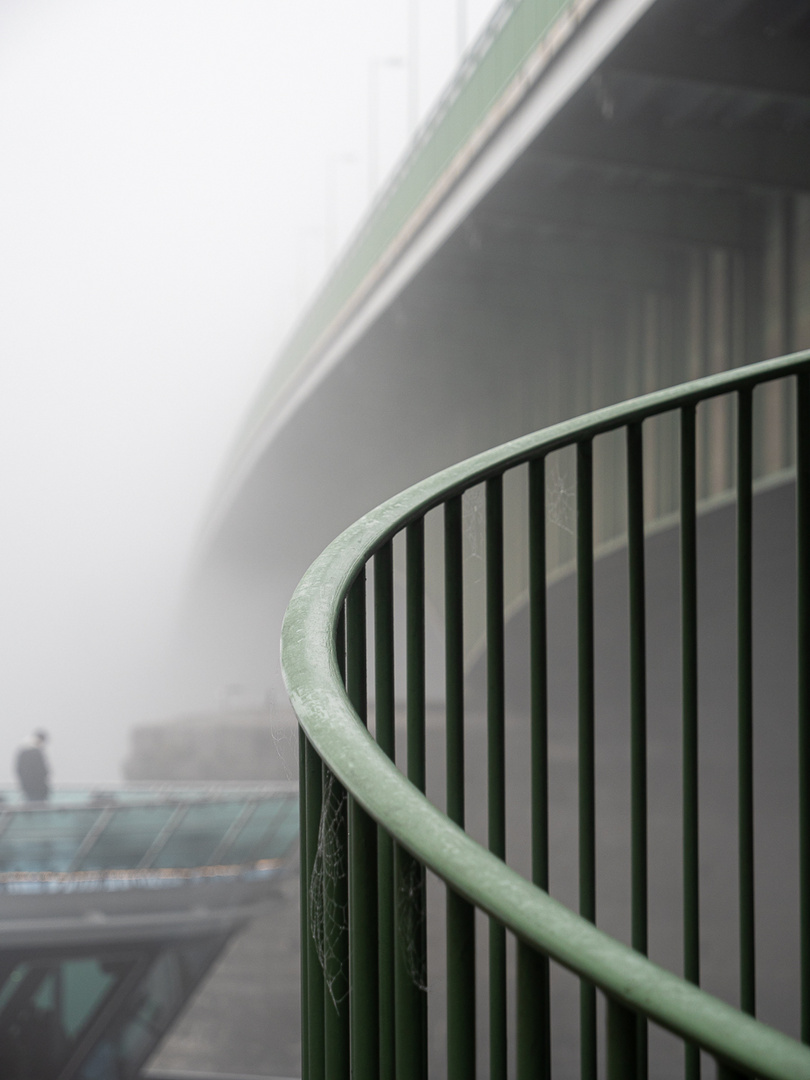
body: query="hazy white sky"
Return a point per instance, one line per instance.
(172, 176)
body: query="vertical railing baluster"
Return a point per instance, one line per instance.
(415, 645)
(538, 645)
(533, 991)
(745, 699)
(460, 913)
(411, 960)
(454, 657)
(726, 1072)
(386, 737)
(638, 708)
(363, 944)
(533, 1041)
(303, 904)
(332, 849)
(310, 960)
(622, 1042)
(586, 708)
(496, 763)
(333, 844)
(689, 661)
(803, 643)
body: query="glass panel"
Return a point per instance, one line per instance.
(50, 839)
(128, 837)
(46, 1006)
(11, 984)
(199, 834)
(170, 980)
(45, 839)
(32, 1041)
(269, 832)
(85, 983)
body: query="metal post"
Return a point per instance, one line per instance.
(691, 906)
(410, 956)
(638, 707)
(622, 1059)
(534, 998)
(496, 764)
(587, 778)
(310, 960)
(745, 701)
(460, 913)
(803, 643)
(303, 907)
(362, 835)
(385, 732)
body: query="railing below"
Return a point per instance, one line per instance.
(368, 834)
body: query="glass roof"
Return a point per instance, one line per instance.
(143, 829)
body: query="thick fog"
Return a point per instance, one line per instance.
(174, 179)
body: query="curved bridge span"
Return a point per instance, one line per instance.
(611, 198)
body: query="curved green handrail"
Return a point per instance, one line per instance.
(314, 682)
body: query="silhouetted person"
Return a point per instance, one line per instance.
(32, 768)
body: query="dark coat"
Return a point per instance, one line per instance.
(32, 769)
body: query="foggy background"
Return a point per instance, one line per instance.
(175, 179)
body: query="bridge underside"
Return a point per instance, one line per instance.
(657, 226)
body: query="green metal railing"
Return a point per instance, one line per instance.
(368, 833)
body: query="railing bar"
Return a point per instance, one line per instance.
(689, 661)
(362, 838)
(534, 997)
(415, 635)
(335, 892)
(745, 699)
(316, 1034)
(533, 1004)
(411, 979)
(586, 709)
(726, 1072)
(460, 988)
(386, 737)
(409, 906)
(304, 871)
(638, 710)
(386, 928)
(384, 649)
(460, 913)
(622, 1047)
(496, 764)
(538, 670)
(454, 658)
(333, 851)
(803, 644)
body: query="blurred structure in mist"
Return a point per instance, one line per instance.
(247, 744)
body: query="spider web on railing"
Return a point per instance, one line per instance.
(411, 920)
(328, 905)
(561, 499)
(328, 908)
(473, 511)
